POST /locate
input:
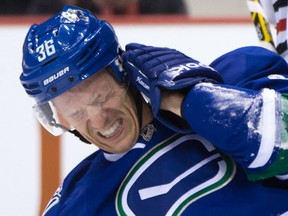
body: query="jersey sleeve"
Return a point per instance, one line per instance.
(251, 126)
(253, 68)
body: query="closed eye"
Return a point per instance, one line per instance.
(76, 117)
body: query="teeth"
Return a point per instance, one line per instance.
(112, 130)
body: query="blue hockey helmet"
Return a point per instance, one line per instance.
(63, 51)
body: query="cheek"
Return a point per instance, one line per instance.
(130, 106)
(135, 127)
(122, 100)
(130, 111)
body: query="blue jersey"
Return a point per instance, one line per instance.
(167, 173)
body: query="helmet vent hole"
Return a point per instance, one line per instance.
(32, 89)
(91, 52)
(71, 79)
(53, 89)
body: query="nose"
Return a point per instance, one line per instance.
(98, 120)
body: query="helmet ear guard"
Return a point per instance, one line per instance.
(62, 52)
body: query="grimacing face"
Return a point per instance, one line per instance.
(102, 111)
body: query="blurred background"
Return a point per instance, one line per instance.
(193, 8)
(32, 162)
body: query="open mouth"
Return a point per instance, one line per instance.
(112, 130)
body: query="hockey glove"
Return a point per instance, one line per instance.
(151, 68)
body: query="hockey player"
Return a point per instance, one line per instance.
(176, 137)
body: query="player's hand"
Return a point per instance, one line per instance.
(151, 69)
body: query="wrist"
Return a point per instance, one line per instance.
(172, 101)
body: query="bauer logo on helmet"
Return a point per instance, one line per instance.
(56, 76)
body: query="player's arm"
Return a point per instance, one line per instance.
(242, 126)
(229, 117)
(251, 126)
(240, 123)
